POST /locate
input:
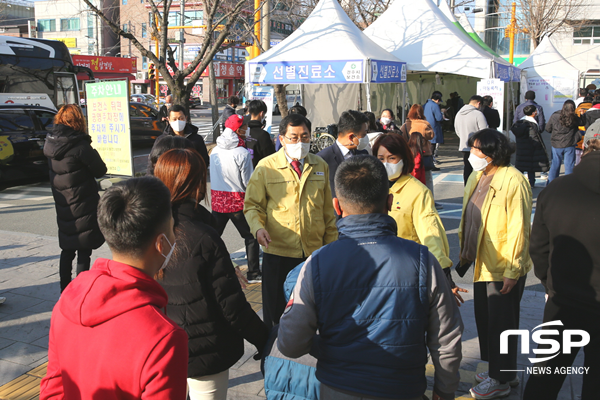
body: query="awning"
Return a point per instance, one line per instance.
(106, 75)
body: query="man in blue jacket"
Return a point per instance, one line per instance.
(530, 101)
(374, 298)
(433, 115)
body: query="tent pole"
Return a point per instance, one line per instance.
(368, 96)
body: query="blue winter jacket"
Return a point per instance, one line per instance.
(433, 115)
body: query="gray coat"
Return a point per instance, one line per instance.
(468, 121)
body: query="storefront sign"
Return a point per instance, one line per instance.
(108, 124)
(107, 64)
(70, 42)
(227, 71)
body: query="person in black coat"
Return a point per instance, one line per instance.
(73, 166)
(205, 296)
(566, 258)
(229, 110)
(258, 141)
(179, 125)
(352, 140)
(531, 156)
(563, 127)
(492, 116)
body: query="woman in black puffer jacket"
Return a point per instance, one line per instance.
(73, 166)
(205, 296)
(531, 154)
(564, 135)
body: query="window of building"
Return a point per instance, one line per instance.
(124, 2)
(90, 26)
(144, 30)
(144, 63)
(69, 24)
(46, 25)
(587, 35)
(125, 28)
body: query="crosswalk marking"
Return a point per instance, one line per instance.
(37, 192)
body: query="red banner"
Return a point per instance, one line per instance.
(107, 64)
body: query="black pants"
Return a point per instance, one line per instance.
(252, 250)
(275, 270)
(531, 176)
(468, 167)
(66, 264)
(495, 313)
(547, 386)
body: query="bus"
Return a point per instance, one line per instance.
(38, 72)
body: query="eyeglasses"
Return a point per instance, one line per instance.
(303, 138)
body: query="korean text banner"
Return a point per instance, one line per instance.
(387, 71)
(108, 124)
(350, 71)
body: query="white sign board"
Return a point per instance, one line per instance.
(494, 88)
(266, 94)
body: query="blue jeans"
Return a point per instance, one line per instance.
(558, 155)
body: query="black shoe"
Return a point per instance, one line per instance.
(435, 169)
(255, 278)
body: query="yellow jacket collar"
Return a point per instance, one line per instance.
(400, 183)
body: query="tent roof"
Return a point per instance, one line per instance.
(547, 61)
(465, 25)
(327, 34)
(429, 41)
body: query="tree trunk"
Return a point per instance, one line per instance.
(181, 96)
(214, 101)
(281, 100)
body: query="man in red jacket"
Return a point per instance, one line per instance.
(109, 336)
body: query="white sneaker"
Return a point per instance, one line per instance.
(484, 375)
(490, 389)
(2, 300)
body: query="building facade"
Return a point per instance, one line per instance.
(17, 18)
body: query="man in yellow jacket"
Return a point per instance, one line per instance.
(289, 209)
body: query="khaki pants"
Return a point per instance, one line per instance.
(209, 387)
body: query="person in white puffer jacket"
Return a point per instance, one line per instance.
(230, 171)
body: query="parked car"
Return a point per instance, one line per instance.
(144, 98)
(144, 124)
(195, 101)
(23, 131)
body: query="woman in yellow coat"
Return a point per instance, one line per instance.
(494, 234)
(413, 207)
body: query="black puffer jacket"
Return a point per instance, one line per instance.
(205, 297)
(73, 166)
(531, 153)
(259, 142)
(561, 136)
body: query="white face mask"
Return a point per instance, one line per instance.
(394, 170)
(168, 256)
(178, 126)
(297, 151)
(385, 121)
(478, 164)
(363, 143)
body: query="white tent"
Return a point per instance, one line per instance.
(429, 41)
(330, 51)
(551, 76)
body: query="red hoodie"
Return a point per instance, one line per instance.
(109, 339)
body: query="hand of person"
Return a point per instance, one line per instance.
(457, 296)
(508, 285)
(263, 238)
(241, 277)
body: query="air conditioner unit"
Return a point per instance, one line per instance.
(141, 76)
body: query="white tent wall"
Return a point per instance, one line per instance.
(325, 103)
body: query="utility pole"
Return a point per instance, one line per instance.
(255, 48)
(266, 25)
(511, 30)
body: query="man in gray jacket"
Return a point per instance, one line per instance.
(468, 121)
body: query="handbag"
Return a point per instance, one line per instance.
(428, 163)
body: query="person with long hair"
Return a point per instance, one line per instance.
(415, 142)
(564, 136)
(74, 165)
(494, 235)
(417, 122)
(413, 207)
(205, 296)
